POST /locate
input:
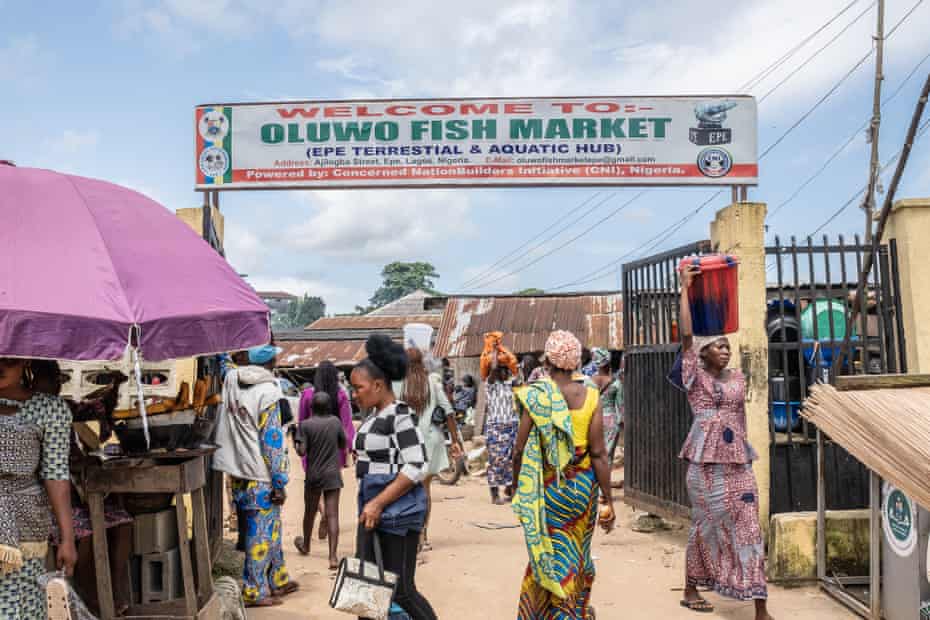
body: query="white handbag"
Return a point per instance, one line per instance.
(364, 589)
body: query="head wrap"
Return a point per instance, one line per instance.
(702, 342)
(563, 350)
(263, 354)
(600, 357)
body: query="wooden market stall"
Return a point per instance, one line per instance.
(884, 422)
(174, 474)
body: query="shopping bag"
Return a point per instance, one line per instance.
(362, 588)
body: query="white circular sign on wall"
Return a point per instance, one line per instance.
(899, 521)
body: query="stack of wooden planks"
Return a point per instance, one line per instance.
(883, 421)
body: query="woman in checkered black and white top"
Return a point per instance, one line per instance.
(389, 443)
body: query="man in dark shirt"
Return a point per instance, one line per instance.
(321, 438)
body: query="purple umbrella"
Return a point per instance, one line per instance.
(87, 263)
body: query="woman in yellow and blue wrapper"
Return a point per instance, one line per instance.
(253, 451)
(560, 462)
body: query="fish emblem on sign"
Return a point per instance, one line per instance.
(710, 129)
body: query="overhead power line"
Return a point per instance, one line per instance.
(665, 234)
(765, 73)
(848, 141)
(567, 243)
(490, 269)
(819, 102)
(605, 270)
(477, 281)
(923, 129)
(816, 53)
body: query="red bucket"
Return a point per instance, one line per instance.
(713, 295)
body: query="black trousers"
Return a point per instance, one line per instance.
(399, 554)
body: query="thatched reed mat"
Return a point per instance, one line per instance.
(888, 430)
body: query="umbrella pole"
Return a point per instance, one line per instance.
(140, 395)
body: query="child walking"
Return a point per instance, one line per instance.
(321, 438)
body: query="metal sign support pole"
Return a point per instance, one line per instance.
(875, 545)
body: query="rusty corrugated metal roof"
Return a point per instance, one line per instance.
(309, 353)
(373, 322)
(597, 320)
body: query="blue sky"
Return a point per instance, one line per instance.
(108, 90)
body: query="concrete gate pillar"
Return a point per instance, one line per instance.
(186, 369)
(740, 230)
(909, 225)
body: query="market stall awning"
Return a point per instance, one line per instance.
(89, 262)
(888, 430)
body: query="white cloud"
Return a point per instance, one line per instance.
(22, 60)
(178, 26)
(544, 47)
(383, 224)
(244, 249)
(73, 142)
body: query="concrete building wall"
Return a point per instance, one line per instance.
(909, 225)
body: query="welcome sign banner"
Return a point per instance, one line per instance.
(594, 141)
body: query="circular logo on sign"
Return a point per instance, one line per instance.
(214, 162)
(213, 126)
(714, 162)
(899, 521)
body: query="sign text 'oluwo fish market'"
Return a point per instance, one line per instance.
(478, 142)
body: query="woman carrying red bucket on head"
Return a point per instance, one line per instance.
(725, 550)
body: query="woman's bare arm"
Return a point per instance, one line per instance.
(597, 450)
(523, 434)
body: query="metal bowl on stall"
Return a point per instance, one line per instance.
(169, 431)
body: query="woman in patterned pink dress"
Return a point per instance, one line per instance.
(725, 549)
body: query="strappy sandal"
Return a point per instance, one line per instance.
(301, 547)
(289, 588)
(699, 605)
(265, 602)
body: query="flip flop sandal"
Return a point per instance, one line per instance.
(265, 602)
(299, 543)
(700, 606)
(290, 588)
(56, 597)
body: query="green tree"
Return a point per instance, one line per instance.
(401, 279)
(300, 313)
(531, 291)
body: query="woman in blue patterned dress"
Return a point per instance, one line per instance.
(35, 487)
(253, 452)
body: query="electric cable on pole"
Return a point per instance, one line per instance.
(874, 126)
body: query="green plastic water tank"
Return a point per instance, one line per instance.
(821, 310)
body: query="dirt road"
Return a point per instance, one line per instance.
(475, 573)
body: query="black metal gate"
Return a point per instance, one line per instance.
(657, 416)
(811, 287)
(810, 293)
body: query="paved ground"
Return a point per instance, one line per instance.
(475, 573)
